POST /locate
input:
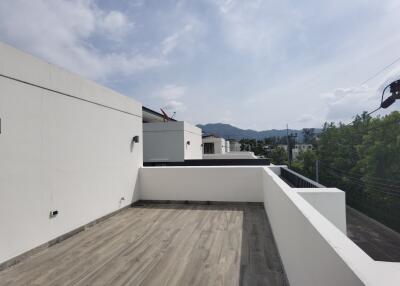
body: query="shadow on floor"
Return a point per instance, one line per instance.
(377, 240)
(260, 261)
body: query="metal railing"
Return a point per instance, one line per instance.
(297, 180)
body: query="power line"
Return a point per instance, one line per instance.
(373, 111)
(380, 71)
(376, 127)
(381, 190)
(383, 92)
(374, 184)
(383, 184)
(375, 189)
(386, 182)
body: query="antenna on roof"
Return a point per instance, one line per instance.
(165, 115)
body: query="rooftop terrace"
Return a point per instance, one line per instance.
(72, 154)
(162, 244)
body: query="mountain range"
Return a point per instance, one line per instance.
(228, 131)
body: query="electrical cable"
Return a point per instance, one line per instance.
(358, 181)
(389, 192)
(381, 70)
(361, 175)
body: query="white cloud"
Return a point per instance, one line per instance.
(174, 105)
(256, 27)
(186, 38)
(172, 42)
(171, 91)
(309, 120)
(115, 24)
(59, 31)
(342, 104)
(171, 96)
(226, 117)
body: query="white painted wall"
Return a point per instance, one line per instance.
(168, 141)
(59, 152)
(227, 146)
(330, 202)
(193, 134)
(231, 183)
(219, 144)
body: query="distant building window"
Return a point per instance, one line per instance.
(208, 148)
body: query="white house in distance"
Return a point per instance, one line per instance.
(234, 146)
(170, 141)
(213, 144)
(297, 149)
(215, 147)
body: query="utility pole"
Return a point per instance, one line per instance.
(290, 139)
(317, 170)
(288, 148)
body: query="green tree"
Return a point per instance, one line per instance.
(305, 163)
(363, 159)
(278, 156)
(308, 135)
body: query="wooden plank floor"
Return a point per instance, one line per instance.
(161, 244)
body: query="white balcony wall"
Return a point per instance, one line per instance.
(330, 202)
(168, 141)
(313, 250)
(232, 184)
(60, 152)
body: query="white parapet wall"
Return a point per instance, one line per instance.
(330, 202)
(65, 145)
(230, 183)
(313, 248)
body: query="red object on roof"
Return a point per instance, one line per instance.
(165, 115)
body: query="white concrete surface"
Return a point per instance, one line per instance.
(171, 141)
(232, 184)
(60, 152)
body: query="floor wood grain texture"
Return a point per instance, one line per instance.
(161, 244)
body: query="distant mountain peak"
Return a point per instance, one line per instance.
(228, 131)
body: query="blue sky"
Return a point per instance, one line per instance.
(254, 64)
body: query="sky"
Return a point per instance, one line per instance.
(253, 64)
